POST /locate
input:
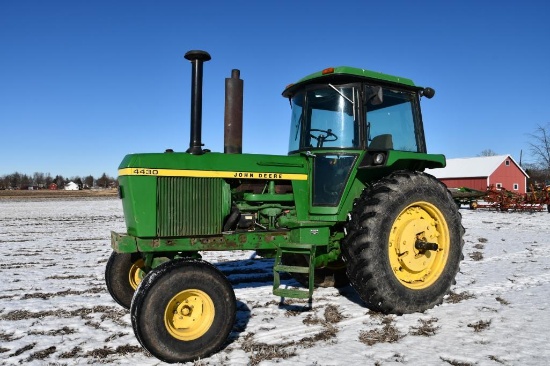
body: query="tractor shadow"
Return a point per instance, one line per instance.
(250, 273)
(258, 272)
(255, 272)
(242, 317)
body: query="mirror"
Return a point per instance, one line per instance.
(375, 95)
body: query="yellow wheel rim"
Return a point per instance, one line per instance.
(189, 314)
(414, 268)
(136, 273)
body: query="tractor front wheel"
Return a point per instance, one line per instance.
(404, 243)
(183, 310)
(123, 274)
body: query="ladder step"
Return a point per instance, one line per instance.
(296, 246)
(292, 293)
(307, 250)
(290, 269)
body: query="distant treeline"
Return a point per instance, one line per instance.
(46, 181)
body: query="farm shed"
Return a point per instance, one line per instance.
(500, 171)
(71, 186)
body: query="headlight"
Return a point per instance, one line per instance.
(378, 158)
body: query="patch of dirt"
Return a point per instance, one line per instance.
(476, 256)
(60, 193)
(261, 352)
(454, 298)
(387, 334)
(426, 328)
(332, 314)
(24, 349)
(40, 355)
(502, 301)
(480, 325)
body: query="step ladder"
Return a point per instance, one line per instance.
(307, 250)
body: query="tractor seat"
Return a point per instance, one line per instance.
(381, 142)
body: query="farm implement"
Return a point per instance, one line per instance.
(501, 199)
(349, 204)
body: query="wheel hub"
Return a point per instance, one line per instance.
(189, 314)
(136, 274)
(418, 266)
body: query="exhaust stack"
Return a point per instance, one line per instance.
(233, 116)
(197, 58)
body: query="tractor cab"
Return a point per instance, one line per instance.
(346, 108)
(339, 113)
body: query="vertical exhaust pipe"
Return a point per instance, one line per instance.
(233, 116)
(197, 58)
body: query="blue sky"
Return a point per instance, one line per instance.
(82, 83)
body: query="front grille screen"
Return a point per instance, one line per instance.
(189, 206)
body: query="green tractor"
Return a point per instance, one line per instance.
(349, 204)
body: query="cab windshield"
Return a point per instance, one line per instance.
(355, 116)
(325, 117)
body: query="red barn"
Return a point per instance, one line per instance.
(500, 171)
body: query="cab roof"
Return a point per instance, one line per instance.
(348, 74)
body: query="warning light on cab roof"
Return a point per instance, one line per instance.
(328, 70)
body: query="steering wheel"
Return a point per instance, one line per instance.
(328, 137)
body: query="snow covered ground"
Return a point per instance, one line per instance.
(54, 307)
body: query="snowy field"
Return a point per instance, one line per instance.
(55, 310)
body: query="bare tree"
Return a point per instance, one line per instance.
(488, 152)
(59, 181)
(104, 180)
(5, 182)
(537, 177)
(38, 179)
(89, 181)
(48, 180)
(15, 180)
(26, 181)
(78, 181)
(540, 146)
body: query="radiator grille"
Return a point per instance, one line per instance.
(189, 206)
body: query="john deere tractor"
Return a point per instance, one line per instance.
(349, 204)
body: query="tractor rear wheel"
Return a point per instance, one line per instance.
(334, 275)
(404, 243)
(123, 274)
(183, 310)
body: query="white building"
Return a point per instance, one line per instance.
(71, 186)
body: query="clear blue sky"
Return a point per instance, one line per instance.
(82, 83)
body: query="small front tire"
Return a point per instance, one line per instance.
(123, 274)
(183, 310)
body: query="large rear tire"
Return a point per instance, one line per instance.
(183, 310)
(123, 274)
(404, 243)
